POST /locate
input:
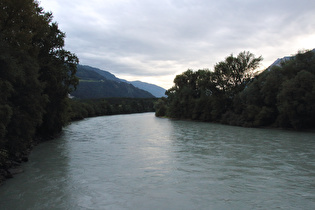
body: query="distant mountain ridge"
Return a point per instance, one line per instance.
(103, 73)
(94, 85)
(280, 60)
(155, 90)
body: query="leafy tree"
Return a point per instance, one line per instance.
(296, 101)
(36, 75)
(235, 73)
(207, 95)
(59, 77)
(160, 107)
(20, 71)
(282, 96)
(57, 72)
(182, 95)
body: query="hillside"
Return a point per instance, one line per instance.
(155, 90)
(94, 85)
(102, 73)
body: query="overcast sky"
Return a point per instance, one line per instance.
(154, 40)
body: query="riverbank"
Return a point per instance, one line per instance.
(307, 130)
(13, 165)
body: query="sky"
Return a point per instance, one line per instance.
(153, 41)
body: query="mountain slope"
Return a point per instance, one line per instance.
(280, 60)
(105, 74)
(94, 85)
(155, 90)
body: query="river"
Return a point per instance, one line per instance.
(139, 161)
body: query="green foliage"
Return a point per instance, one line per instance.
(281, 96)
(235, 73)
(206, 95)
(160, 107)
(36, 76)
(296, 101)
(81, 109)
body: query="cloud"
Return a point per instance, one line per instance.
(158, 39)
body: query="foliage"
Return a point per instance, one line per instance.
(81, 109)
(36, 76)
(281, 96)
(161, 107)
(235, 73)
(207, 95)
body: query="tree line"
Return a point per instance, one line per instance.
(81, 109)
(281, 96)
(36, 76)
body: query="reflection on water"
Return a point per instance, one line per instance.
(142, 162)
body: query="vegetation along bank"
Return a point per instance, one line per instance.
(282, 96)
(36, 76)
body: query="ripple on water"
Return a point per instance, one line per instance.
(142, 162)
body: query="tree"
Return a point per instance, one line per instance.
(296, 101)
(182, 95)
(282, 96)
(235, 73)
(160, 107)
(20, 71)
(208, 95)
(36, 75)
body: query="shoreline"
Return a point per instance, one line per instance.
(307, 130)
(13, 165)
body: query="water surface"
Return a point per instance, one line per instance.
(142, 162)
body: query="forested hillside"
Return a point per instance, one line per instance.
(93, 84)
(36, 76)
(151, 88)
(281, 96)
(155, 90)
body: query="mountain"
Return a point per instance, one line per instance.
(280, 60)
(155, 90)
(103, 73)
(94, 85)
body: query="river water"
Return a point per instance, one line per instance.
(142, 162)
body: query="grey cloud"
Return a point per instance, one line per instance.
(143, 37)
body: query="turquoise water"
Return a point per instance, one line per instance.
(142, 162)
